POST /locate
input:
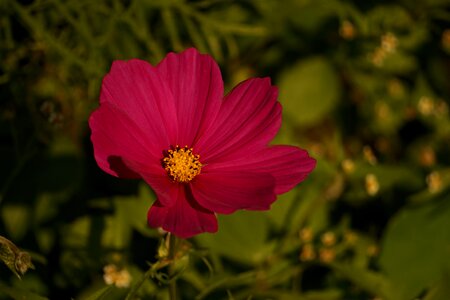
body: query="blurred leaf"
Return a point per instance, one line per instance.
(416, 246)
(76, 234)
(311, 15)
(46, 239)
(100, 294)
(117, 231)
(242, 237)
(19, 294)
(399, 63)
(136, 209)
(322, 295)
(16, 219)
(309, 91)
(148, 287)
(373, 282)
(32, 282)
(313, 197)
(416, 37)
(285, 135)
(392, 16)
(46, 207)
(129, 213)
(439, 291)
(279, 210)
(389, 177)
(60, 169)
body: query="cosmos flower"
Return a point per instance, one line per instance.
(202, 153)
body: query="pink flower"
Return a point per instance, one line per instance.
(201, 153)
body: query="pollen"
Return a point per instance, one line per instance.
(181, 164)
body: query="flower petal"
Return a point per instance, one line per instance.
(287, 164)
(135, 88)
(185, 218)
(224, 191)
(116, 137)
(197, 88)
(156, 177)
(249, 118)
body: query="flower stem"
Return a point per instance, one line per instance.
(168, 260)
(173, 290)
(136, 287)
(173, 241)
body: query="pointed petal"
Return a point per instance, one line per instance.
(289, 165)
(224, 191)
(249, 118)
(197, 88)
(135, 88)
(185, 218)
(116, 137)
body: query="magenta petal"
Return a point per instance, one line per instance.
(185, 218)
(135, 88)
(197, 88)
(224, 191)
(156, 177)
(287, 164)
(249, 118)
(116, 137)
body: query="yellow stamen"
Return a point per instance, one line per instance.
(181, 164)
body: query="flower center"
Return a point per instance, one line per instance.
(181, 164)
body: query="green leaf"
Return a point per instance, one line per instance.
(309, 91)
(281, 208)
(241, 237)
(76, 234)
(45, 239)
(100, 294)
(135, 209)
(373, 282)
(19, 294)
(439, 291)
(130, 213)
(330, 294)
(390, 16)
(399, 62)
(117, 231)
(16, 219)
(311, 16)
(416, 247)
(45, 208)
(389, 177)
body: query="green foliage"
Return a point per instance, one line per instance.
(16, 293)
(309, 79)
(416, 247)
(100, 294)
(364, 88)
(243, 238)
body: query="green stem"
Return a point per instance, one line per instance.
(59, 46)
(173, 241)
(222, 26)
(163, 262)
(131, 295)
(239, 279)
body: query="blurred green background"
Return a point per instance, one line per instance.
(364, 86)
